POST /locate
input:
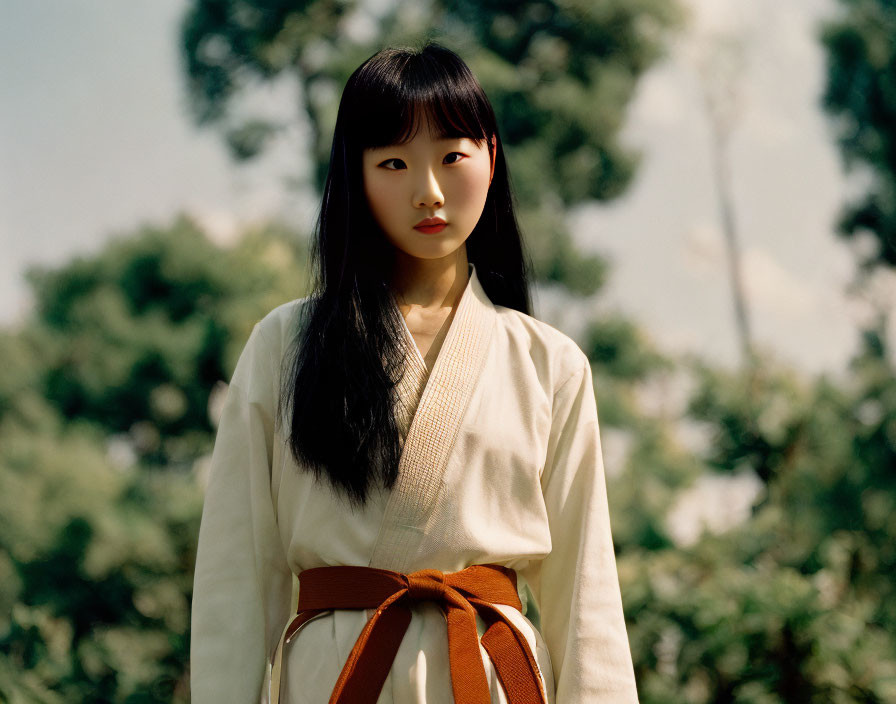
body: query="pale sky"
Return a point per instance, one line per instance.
(94, 140)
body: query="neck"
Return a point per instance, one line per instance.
(430, 283)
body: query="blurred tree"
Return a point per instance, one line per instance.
(720, 63)
(96, 567)
(96, 553)
(136, 337)
(860, 95)
(560, 76)
(795, 604)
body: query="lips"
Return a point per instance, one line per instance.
(430, 222)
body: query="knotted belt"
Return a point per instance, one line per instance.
(461, 595)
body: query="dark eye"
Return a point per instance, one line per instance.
(399, 161)
(393, 159)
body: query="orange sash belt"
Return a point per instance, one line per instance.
(461, 595)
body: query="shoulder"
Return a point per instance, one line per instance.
(555, 354)
(276, 328)
(266, 346)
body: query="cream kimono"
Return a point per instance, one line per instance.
(501, 463)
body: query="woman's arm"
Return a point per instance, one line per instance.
(578, 587)
(242, 585)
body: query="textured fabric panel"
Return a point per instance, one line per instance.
(434, 427)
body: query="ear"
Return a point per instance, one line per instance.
(494, 155)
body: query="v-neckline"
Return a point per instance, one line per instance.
(433, 410)
(409, 337)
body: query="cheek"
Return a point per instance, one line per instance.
(378, 196)
(474, 188)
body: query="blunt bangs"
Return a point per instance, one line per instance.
(394, 99)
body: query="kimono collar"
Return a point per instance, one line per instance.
(473, 310)
(471, 320)
(432, 423)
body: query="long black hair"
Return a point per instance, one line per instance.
(347, 355)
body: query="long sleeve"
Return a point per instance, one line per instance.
(242, 586)
(577, 583)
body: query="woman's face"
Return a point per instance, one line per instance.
(428, 177)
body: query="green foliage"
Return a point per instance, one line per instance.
(135, 338)
(861, 95)
(760, 420)
(96, 550)
(615, 343)
(96, 565)
(795, 604)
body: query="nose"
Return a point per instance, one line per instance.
(427, 192)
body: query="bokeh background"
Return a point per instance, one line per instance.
(708, 191)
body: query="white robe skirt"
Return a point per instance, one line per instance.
(501, 463)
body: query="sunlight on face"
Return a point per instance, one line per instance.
(427, 177)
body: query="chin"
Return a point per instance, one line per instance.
(434, 250)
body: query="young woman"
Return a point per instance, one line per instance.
(411, 443)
